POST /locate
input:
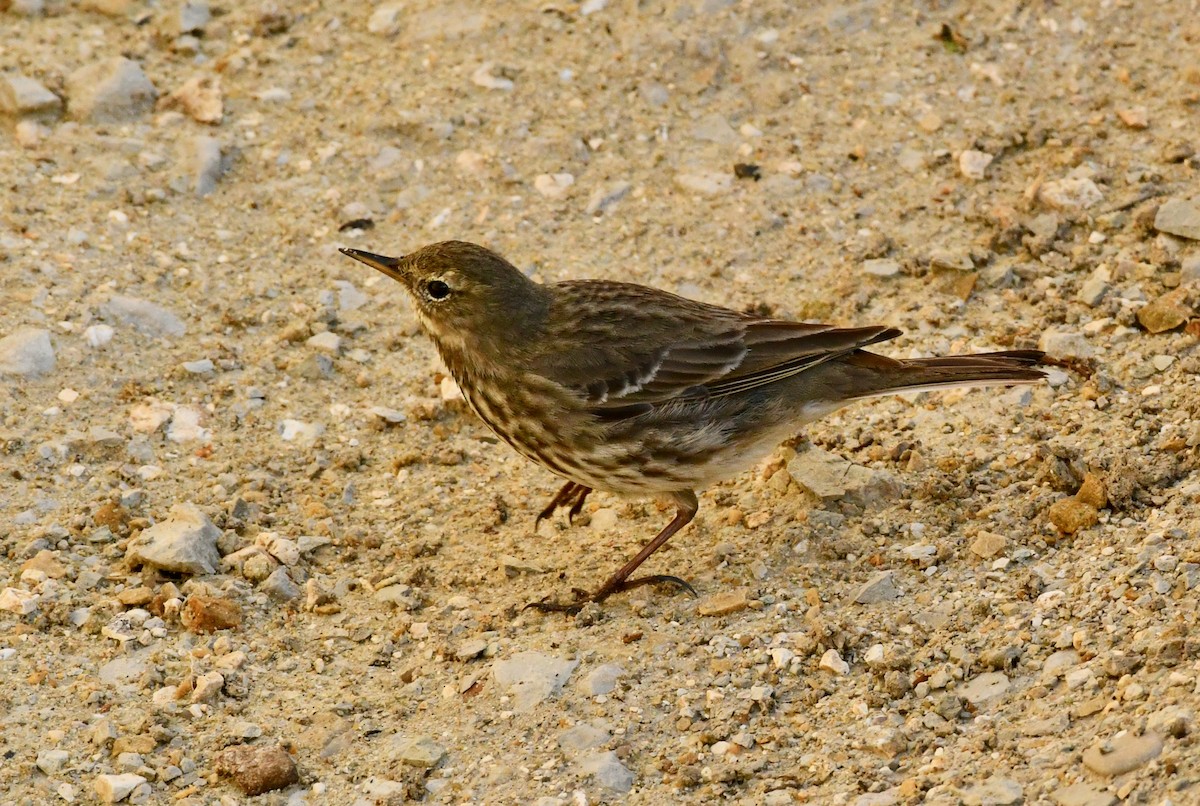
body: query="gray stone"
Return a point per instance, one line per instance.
(1044, 227)
(604, 198)
(879, 588)
(471, 648)
(51, 761)
(1122, 753)
(145, 316)
(26, 351)
(111, 91)
(279, 586)
(1060, 662)
(532, 677)
(28, 8)
(608, 771)
(207, 164)
(830, 477)
(419, 751)
(1179, 217)
(1082, 794)
(121, 669)
(994, 792)
(714, 128)
(1174, 720)
(184, 543)
(193, 16)
(601, 680)
(21, 96)
(982, 688)
(881, 267)
(1065, 344)
(1094, 288)
(1189, 270)
(582, 737)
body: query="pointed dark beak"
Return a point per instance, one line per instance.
(388, 265)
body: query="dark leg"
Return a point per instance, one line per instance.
(577, 507)
(687, 506)
(564, 496)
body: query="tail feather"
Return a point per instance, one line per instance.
(1005, 368)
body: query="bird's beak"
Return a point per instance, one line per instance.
(388, 265)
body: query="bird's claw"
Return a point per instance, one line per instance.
(582, 597)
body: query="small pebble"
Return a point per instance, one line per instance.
(256, 769)
(724, 603)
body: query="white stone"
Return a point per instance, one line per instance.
(185, 425)
(482, 77)
(98, 336)
(604, 520)
(385, 20)
(21, 602)
(115, 788)
(553, 186)
(326, 342)
(300, 431)
(1071, 194)
(832, 662)
(973, 164)
(706, 183)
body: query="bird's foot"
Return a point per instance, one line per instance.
(571, 494)
(582, 597)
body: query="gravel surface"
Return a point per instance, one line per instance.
(252, 540)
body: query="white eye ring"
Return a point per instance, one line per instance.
(437, 290)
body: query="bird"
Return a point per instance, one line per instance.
(632, 390)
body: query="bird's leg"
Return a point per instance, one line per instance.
(563, 497)
(577, 507)
(687, 506)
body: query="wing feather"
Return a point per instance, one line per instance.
(632, 345)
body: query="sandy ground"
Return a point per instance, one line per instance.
(243, 508)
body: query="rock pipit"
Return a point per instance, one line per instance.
(632, 390)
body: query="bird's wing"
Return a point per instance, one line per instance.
(622, 346)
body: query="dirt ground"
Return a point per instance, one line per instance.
(242, 507)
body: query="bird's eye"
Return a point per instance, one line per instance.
(436, 289)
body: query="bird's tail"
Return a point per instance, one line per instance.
(888, 376)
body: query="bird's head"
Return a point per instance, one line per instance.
(466, 296)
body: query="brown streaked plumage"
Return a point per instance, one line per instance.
(632, 390)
